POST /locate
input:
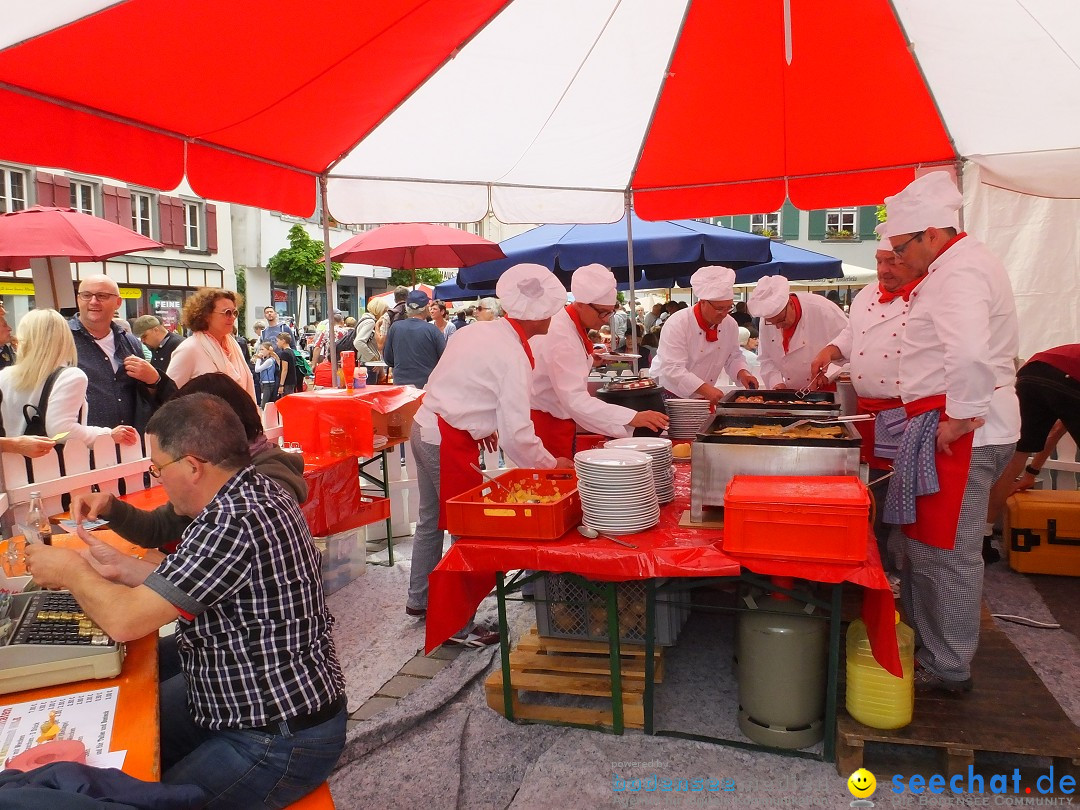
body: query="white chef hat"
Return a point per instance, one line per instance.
(530, 292)
(714, 283)
(744, 335)
(593, 284)
(769, 297)
(884, 243)
(930, 201)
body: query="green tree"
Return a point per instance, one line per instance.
(241, 287)
(301, 263)
(407, 278)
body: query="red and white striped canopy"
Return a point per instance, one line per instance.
(543, 110)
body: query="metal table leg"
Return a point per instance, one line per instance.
(383, 483)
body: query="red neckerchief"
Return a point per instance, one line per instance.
(904, 292)
(583, 333)
(707, 328)
(524, 340)
(787, 333)
(949, 244)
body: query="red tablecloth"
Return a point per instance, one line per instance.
(333, 503)
(467, 573)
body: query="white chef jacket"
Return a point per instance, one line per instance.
(559, 381)
(871, 343)
(962, 338)
(480, 385)
(820, 322)
(685, 359)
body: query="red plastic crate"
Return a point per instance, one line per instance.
(821, 518)
(467, 514)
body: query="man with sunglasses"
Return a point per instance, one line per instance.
(564, 358)
(123, 388)
(957, 384)
(699, 342)
(796, 326)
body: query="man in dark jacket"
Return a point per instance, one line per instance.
(159, 340)
(123, 388)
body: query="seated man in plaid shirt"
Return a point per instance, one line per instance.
(257, 717)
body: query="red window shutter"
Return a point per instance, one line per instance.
(45, 189)
(211, 228)
(171, 212)
(108, 196)
(61, 192)
(123, 207)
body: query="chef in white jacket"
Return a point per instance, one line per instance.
(956, 368)
(796, 326)
(698, 343)
(478, 395)
(564, 357)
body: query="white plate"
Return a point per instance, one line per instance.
(611, 458)
(643, 444)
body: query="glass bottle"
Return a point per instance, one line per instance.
(36, 518)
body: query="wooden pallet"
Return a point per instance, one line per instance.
(573, 667)
(1010, 710)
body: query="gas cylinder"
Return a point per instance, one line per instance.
(781, 652)
(876, 697)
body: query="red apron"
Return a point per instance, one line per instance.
(457, 450)
(937, 515)
(866, 430)
(557, 435)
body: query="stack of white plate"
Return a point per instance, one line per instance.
(660, 452)
(618, 494)
(686, 417)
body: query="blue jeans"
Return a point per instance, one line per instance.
(242, 768)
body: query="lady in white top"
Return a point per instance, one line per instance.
(210, 314)
(437, 310)
(46, 344)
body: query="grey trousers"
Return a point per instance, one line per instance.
(941, 589)
(427, 547)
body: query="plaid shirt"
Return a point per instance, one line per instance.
(258, 646)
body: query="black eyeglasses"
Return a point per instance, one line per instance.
(602, 313)
(102, 296)
(899, 249)
(155, 470)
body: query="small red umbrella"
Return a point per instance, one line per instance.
(43, 232)
(413, 245)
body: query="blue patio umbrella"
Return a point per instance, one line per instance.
(659, 262)
(662, 250)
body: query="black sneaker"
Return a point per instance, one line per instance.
(416, 613)
(990, 554)
(926, 681)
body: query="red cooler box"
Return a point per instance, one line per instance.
(1042, 531)
(822, 518)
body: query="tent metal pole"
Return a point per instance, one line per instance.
(632, 308)
(328, 266)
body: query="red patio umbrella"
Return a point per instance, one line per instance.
(413, 245)
(43, 232)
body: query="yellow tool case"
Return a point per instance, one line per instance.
(1042, 531)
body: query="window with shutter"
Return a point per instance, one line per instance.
(82, 196)
(142, 213)
(193, 225)
(841, 223)
(13, 189)
(741, 223)
(211, 228)
(816, 220)
(766, 224)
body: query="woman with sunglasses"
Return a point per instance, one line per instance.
(211, 314)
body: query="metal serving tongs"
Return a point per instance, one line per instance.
(862, 417)
(802, 392)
